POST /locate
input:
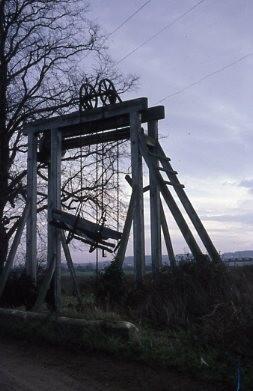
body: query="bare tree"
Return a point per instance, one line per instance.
(40, 43)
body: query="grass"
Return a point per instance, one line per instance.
(177, 349)
(197, 318)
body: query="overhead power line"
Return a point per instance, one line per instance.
(222, 69)
(167, 26)
(127, 19)
(122, 24)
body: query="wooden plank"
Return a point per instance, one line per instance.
(73, 124)
(100, 113)
(149, 114)
(12, 253)
(71, 268)
(213, 253)
(31, 227)
(93, 242)
(167, 238)
(179, 218)
(82, 225)
(82, 141)
(120, 256)
(155, 221)
(137, 178)
(108, 247)
(54, 202)
(130, 182)
(98, 138)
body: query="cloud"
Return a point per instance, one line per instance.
(247, 184)
(243, 218)
(208, 127)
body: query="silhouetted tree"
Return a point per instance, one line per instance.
(41, 43)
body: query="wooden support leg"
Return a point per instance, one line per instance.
(163, 224)
(31, 227)
(213, 253)
(49, 226)
(120, 256)
(179, 218)
(54, 202)
(167, 238)
(155, 221)
(12, 253)
(71, 267)
(138, 218)
(45, 285)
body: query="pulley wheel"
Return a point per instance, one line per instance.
(88, 97)
(107, 92)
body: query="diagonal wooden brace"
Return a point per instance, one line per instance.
(11, 256)
(71, 267)
(179, 218)
(164, 225)
(120, 256)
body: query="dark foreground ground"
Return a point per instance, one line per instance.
(26, 367)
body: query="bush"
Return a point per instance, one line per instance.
(182, 294)
(19, 291)
(212, 302)
(111, 285)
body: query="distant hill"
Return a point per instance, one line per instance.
(229, 255)
(129, 260)
(238, 254)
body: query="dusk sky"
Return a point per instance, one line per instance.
(208, 126)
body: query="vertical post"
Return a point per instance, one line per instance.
(54, 202)
(155, 220)
(31, 227)
(167, 238)
(138, 218)
(49, 226)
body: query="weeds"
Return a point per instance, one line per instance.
(111, 285)
(196, 317)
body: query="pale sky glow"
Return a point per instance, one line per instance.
(208, 128)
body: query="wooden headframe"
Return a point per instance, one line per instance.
(119, 121)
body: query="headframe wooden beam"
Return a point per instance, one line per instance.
(75, 123)
(120, 121)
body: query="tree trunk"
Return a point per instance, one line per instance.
(4, 142)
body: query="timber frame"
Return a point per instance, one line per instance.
(119, 121)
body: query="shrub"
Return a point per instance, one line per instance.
(19, 291)
(182, 294)
(111, 285)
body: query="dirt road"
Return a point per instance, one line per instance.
(26, 367)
